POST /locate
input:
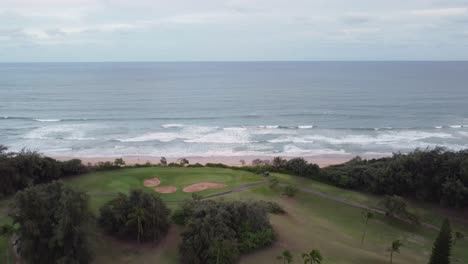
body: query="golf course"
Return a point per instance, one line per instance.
(320, 217)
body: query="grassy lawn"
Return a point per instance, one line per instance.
(112, 182)
(312, 222)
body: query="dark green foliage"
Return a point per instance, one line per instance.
(394, 247)
(301, 167)
(163, 161)
(53, 224)
(140, 216)
(119, 162)
(26, 168)
(286, 257)
(442, 245)
(218, 232)
(395, 206)
(290, 190)
(73, 167)
(184, 162)
(433, 175)
(272, 207)
(313, 257)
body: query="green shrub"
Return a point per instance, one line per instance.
(141, 216)
(290, 190)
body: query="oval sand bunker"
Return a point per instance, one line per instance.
(166, 189)
(152, 182)
(201, 186)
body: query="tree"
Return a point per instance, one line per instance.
(119, 162)
(220, 231)
(184, 162)
(279, 163)
(442, 245)
(242, 162)
(286, 257)
(141, 216)
(396, 207)
(367, 215)
(163, 161)
(458, 236)
(313, 257)
(53, 224)
(138, 216)
(395, 247)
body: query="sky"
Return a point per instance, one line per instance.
(232, 30)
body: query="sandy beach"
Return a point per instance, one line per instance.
(321, 160)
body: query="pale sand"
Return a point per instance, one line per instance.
(166, 189)
(201, 186)
(152, 182)
(321, 160)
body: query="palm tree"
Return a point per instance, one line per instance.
(395, 247)
(367, 215)
(286, 257)
(458, 236)
(313, 257)
(138, 216)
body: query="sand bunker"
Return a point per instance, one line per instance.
(166, 189)
(201, 186)
(152, 182)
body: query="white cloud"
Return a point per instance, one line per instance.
(456, 11)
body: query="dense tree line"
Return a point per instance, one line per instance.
(141, 216)
(219, 232)
(27, 168)
(433, 175)
(52, 223)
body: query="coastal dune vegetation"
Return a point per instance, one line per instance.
(286, 211)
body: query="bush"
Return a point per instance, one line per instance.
(290, 190)
(141, 216)
(218, 232)
(53, 223)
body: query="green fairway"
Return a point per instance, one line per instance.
(312, 222)
(100, 185)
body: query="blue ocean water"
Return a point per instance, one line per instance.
(233, 108)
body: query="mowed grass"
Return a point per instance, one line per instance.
(312, 222)
(100, 185)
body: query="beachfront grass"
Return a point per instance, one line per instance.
(312, 222)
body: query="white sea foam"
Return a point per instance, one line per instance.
(306, 127)
(456, 126)
(48, 120)
(292, 150)
(159, 136)
(293, 139)
(172, 125)
(60, 132)
(269, 127)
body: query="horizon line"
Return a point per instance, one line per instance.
(221, 61)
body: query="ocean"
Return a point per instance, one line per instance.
(208, 109)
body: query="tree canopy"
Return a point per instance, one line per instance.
(53, 224)
(141, 216)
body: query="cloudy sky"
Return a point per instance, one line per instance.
(206, 30)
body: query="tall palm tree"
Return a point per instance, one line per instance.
(313, 257)
(138, 216)
(285, 257)
(395, 247)
(367, 215)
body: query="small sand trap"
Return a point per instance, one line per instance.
(166, 189)
(201, 186)
(152, 182)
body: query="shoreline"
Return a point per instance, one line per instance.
(321, 160)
